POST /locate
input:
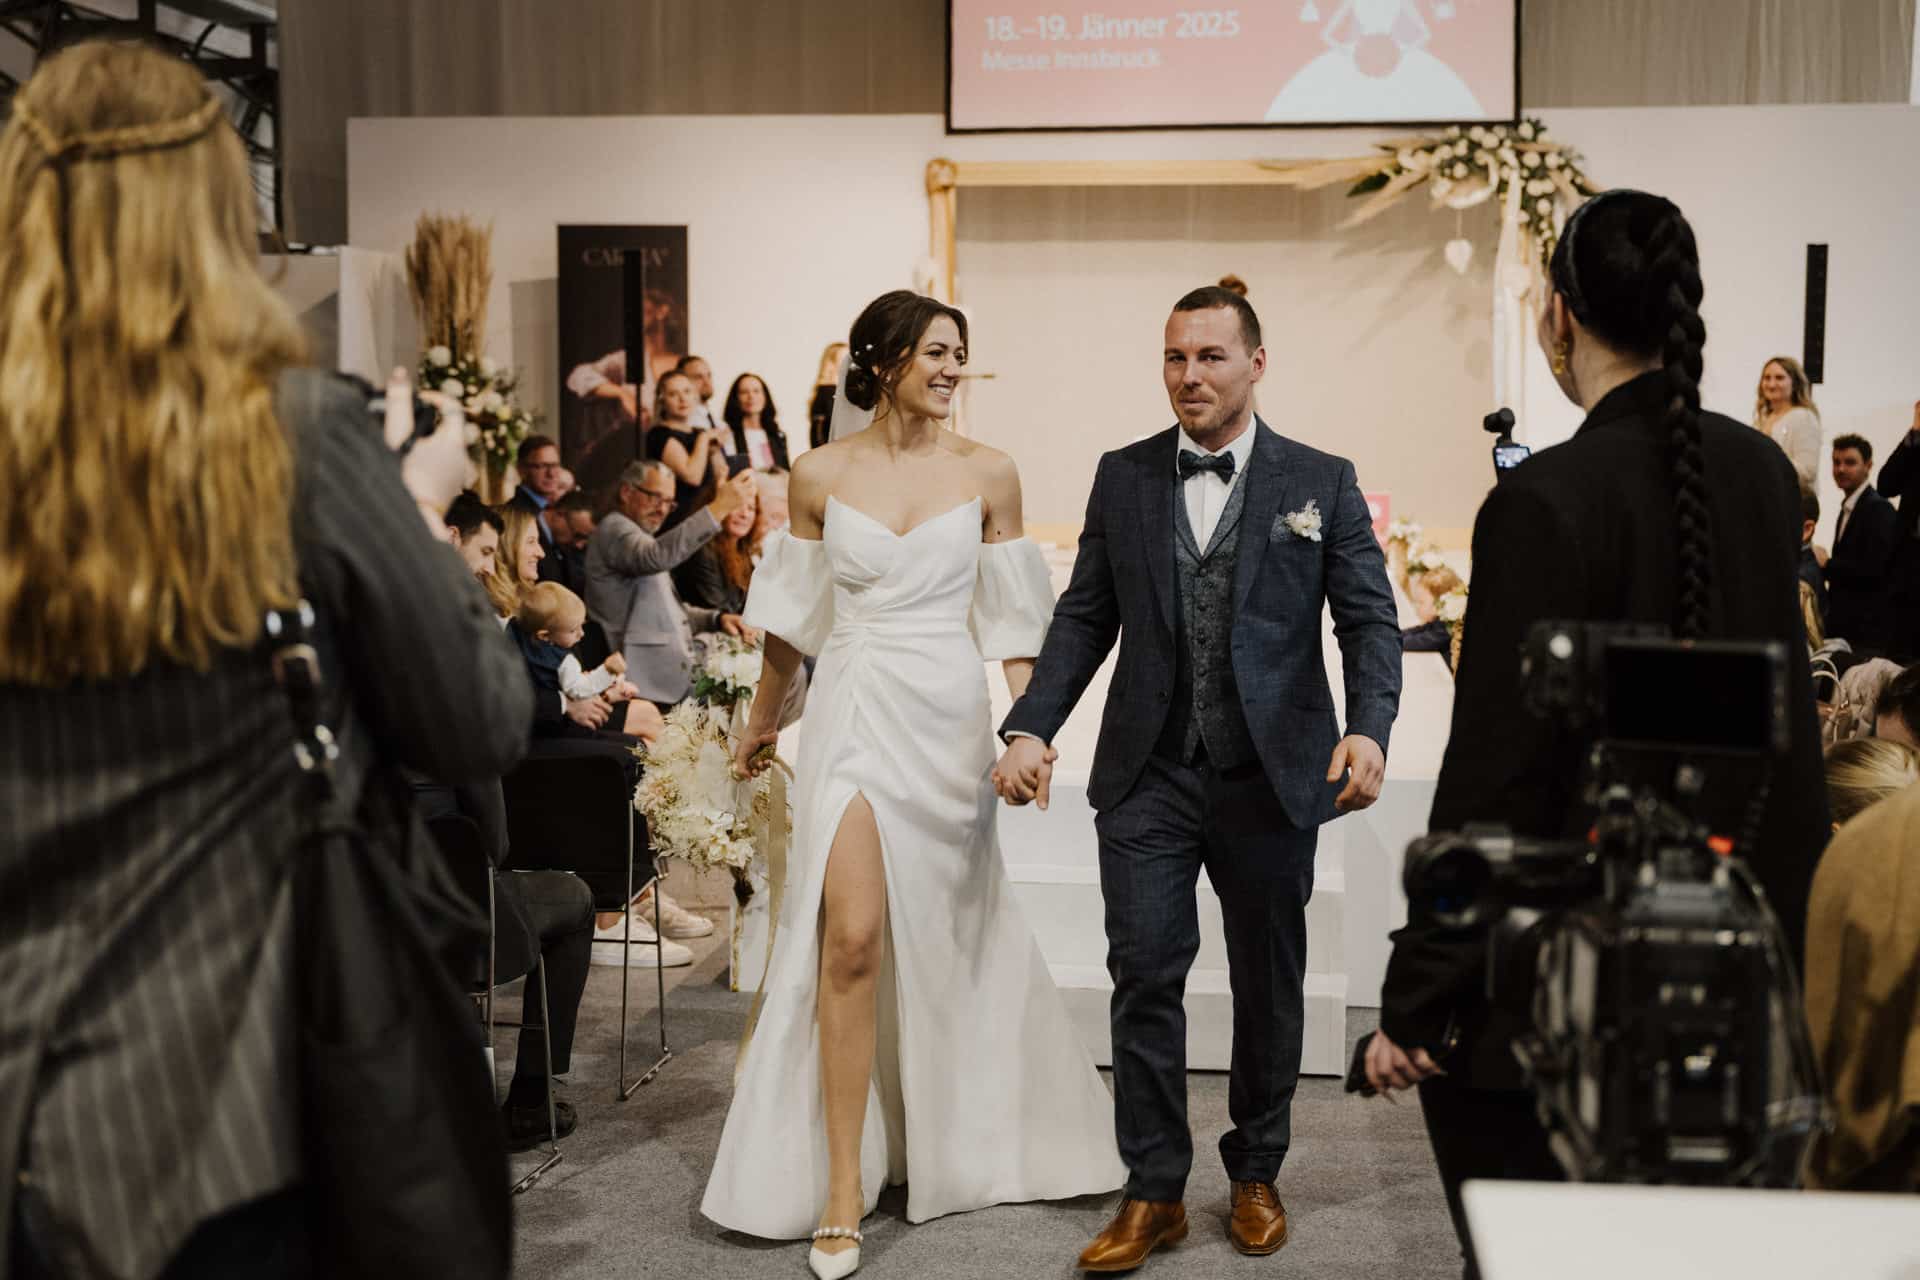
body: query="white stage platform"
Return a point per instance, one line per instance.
(1053, 858)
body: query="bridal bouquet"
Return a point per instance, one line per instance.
(696, 808)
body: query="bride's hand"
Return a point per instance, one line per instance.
(747, 760)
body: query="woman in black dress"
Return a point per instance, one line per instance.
(697, 456)
(1635, 519)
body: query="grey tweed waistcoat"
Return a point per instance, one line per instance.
(1205, 705)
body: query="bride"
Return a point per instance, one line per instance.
(910, 1031)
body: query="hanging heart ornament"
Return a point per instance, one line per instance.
(1460, 254)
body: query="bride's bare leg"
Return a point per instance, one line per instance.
(852, 932)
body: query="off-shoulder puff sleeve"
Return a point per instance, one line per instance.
(792, 592)
(1012, 601)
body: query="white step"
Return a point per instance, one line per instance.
(1088, 991)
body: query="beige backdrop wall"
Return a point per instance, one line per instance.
(1378, 351)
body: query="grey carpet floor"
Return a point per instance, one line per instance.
(1359, 1184)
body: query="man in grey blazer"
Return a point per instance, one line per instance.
(630, 591)
(1208, 552)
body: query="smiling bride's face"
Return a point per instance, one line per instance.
(928, 383)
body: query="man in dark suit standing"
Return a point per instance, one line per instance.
(1865, 537)
(1208, 552)
(1900, 478)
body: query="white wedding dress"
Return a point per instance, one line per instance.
(982, 1091)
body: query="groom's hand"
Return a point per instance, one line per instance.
(1025, 771)
(1360, 758)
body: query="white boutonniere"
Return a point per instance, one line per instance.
(1306, 521)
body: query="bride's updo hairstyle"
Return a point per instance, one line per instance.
(884, 338)
(1629, 270)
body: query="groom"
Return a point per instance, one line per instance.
(1208, 550)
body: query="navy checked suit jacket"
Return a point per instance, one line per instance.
(1123, 588)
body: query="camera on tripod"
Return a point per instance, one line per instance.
(1665, 1040)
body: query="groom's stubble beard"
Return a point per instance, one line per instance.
(1210, 430)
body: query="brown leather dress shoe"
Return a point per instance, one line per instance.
(1258, 1224)
(1137, 1230)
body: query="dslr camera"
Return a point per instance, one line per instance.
(1665, 1041)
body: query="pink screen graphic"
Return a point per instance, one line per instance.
(1027, 64)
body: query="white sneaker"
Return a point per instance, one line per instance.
(609, 947)
(675, 920)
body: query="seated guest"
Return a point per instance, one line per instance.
(717, 575)
(775, 515)
(548, 626)
(693, 454)
(1896, 712)
(630, 590)
(538, 462)
(1813, 568)
(568, 522)
(1861, 772)
(755, 424)
(1858, 697)
(474, 530)
(517, 564)
(554, 912)
(1863, 999)
(1810, 620)
(1864, 540)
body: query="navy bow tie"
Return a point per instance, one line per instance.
(1191, 464)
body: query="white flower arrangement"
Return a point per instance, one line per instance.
(696, 808)
(1424, 560)
(1464, 168)
(1306, 521)
(486, 392)
(1405, 532)
(1452, 607)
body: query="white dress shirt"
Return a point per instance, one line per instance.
(1846, 513)
(1206, 493)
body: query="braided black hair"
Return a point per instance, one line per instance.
(1629, 270)
(884, 338)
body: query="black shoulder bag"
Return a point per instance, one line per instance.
(404, 1151)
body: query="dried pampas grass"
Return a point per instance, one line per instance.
(449, 271)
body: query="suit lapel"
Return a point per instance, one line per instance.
(1267, 490)
(1159, 490)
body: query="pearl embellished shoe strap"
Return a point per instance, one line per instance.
(839, 1233)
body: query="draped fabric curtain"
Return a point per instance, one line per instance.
(345, 58)
(1684, 53)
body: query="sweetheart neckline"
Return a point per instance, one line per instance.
(888, 529)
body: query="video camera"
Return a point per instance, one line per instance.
(1666, 1043)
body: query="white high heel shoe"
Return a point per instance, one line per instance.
(835, 1266)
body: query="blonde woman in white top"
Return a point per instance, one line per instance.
(1784, 410)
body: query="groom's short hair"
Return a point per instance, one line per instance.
(1212, 297)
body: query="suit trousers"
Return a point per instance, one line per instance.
(1177, 819)
(1483, 1133)
(264, 1239)
(558, 909)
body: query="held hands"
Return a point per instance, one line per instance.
(1360, 758)
(622, 691)
(616, 663)
(1025, 772)
(1390, 1067)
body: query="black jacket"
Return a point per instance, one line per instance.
(1586, 531)
(1859, 573)
(1900, 478)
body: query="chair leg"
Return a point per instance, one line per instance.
(553, 1156)
(626, 1090)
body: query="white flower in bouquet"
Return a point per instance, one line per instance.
(452, 389)
(1544, 207)
(439, 357)
(1452, 607)
(1459, 170)
(1553, 160)
(488, 366)
(493, 402)
(1526, 131)
(1403, 531)
(1531, 159)
(1426, 560)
